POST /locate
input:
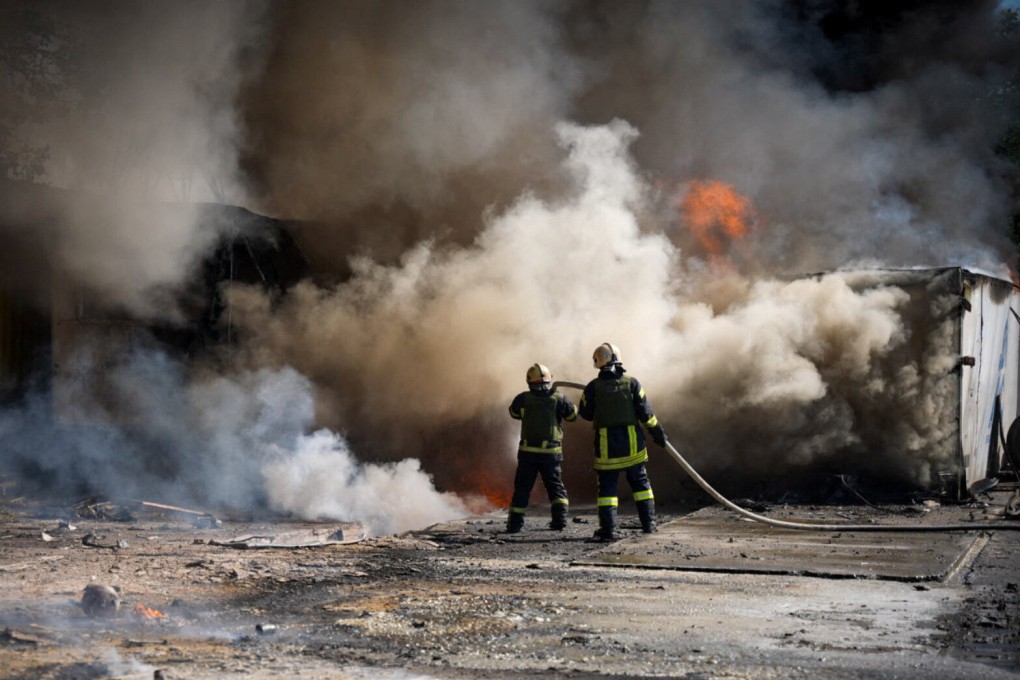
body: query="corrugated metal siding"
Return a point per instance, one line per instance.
(991, 335)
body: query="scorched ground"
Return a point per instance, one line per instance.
(464, 600)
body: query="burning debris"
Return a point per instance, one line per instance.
(147, 613)
(12, 637)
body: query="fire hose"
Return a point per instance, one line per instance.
(806, 526)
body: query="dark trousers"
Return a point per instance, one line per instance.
(529, 467)
(608, 499)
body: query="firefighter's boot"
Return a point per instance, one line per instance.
(607, 524)
(514, 522)
(559, 516)
(646, 513)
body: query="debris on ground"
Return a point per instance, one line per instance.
(296, 539)
(100, 600)
(462, 600)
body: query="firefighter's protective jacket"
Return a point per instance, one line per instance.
(616, 404)
(541, 414)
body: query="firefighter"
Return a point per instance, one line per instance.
(616, 404)
(541, 412)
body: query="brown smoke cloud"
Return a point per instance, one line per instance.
(408, 351)
(385, 125)
(460, 268)
(387, 122)
(486, 185)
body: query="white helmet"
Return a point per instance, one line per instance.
(539, 374)
(605, 354)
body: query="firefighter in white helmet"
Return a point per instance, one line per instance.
(540, 452)
(616, 404)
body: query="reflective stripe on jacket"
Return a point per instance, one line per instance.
(616, 405)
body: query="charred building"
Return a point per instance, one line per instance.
(62, 338)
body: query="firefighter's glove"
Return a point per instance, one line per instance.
(658, 435)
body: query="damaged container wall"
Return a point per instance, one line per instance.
(963, 347)
(94, 342)
(990, 353)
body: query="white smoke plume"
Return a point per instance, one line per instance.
(441, 305)
(239, 442)
(443, 336)
(449, 328)
(322, 479)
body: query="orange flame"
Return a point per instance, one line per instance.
(146, 613)
(714, 210)
(496, 489)
(499, 496)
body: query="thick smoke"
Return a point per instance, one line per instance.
(387, 122)
(369, 124)
(442, 336)
(448, 329)
(239, 442)
(149, 129)
(146, 117)
(483, 186)
(903, 172)
(322, 479)
(442, 304)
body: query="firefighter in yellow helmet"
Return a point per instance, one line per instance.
(616, 404)
(541, 412)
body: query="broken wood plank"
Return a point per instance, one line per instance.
(172, 508)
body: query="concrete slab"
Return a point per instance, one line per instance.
(715, 540)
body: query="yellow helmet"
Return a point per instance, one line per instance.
(539, 374)
(605, 354)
